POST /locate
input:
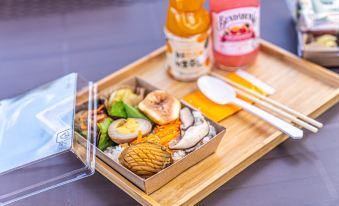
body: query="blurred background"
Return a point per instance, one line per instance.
(41, 40)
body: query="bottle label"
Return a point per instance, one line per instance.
(188, 58)
(236, 31)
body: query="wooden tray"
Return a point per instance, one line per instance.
(301, 85)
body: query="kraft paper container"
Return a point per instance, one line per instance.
(158, 180)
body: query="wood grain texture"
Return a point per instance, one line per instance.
(300, 85)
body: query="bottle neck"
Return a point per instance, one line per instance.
(187, 5)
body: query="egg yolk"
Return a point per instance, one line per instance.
(127, 126)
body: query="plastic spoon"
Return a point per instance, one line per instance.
(221, 93)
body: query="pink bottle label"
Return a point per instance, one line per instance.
(236, 31)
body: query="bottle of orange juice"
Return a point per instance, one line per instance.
(188, 47)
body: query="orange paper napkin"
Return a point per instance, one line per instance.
(214, 111)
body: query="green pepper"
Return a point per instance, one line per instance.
(104, 140)
(133, 112)
(123, 110)
(118, 109)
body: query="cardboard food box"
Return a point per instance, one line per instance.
(328, 57)
(314, 19)
(158, 180)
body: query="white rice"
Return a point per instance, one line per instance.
(212, 131)
(177, 155)
(114, 152)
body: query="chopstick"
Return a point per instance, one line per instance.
(279, 108)
(278, 111)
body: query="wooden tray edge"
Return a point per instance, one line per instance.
(308, 67)
(124, 184)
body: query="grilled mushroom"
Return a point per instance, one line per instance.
(186, 118)
(194, 133)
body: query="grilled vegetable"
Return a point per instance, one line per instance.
(161, 107)
(193, 134)
(82, 115)
(130, 95)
